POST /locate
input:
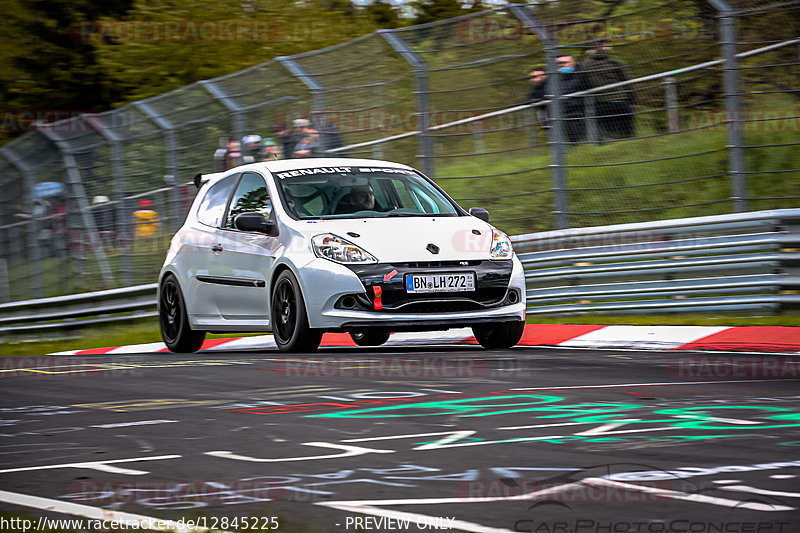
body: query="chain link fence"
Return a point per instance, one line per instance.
(682, 108)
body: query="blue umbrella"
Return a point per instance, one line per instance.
(47, 189)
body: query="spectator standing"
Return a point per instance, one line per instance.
(538, 79)
(614, 108)
(146, 224)
(104, 219)
(330, 137)
(233, 158)
(293, 137)
(572, 80)
(269, 151)
(220, 155)
(251, 145)
(308, 145)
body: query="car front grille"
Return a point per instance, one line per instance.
(491, 279)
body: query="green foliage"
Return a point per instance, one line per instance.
(433, 10)
(46, 66)
(168, 57)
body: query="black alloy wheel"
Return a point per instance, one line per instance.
(289, 319)
(499, 336)
(174, 319)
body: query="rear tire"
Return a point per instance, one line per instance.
(370, 337)
(499, 336)
(289, 319)
(173, 319)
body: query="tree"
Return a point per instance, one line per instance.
(433, 10)
(50, 66)
(183, 41)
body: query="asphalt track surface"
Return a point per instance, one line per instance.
(530, 439)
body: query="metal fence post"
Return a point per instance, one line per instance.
(592, 132)
(557, 148)
(79, 195)
(671, 99)
(33, 228)
(122, 209)
(730, 70)
(555, 115)
(5, 291)
(171, 147)
(477, 137)
(238, 119)
(420, 68)
(317, 92)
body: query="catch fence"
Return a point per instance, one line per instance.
(711, 126)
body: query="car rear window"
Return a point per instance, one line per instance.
(212, 207)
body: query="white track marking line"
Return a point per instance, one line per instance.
(96, 513)
(657, 384)
(697, 498)
(537, 426)
(103, 466)
(756, 490)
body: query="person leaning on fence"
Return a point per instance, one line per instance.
(614, 107)
(146, 224)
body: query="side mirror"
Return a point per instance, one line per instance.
(254, 222)
(480, 213)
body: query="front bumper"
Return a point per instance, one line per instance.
(499, 296)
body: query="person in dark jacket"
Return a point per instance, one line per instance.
(572, 109)
(538, 77)
(614, 107)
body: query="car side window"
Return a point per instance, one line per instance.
(212, 208)
(251, 196)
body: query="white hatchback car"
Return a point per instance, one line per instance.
(304, 246)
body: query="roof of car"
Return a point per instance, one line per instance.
(283, 165)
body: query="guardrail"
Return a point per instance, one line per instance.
(79, 310)
(724, 263)
(738, 262)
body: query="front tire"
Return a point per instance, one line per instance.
(173, 319)
(499, 336)
(370, 337)
(289, 319)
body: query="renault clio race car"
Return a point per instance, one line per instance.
(304, 246)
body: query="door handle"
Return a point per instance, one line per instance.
(216, 248)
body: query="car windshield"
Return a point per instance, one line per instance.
(361, 192)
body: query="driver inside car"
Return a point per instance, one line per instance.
(360, 198)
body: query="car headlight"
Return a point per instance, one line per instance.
(501, 245)
(330, 246)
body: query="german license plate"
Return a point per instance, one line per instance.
(416, 283)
